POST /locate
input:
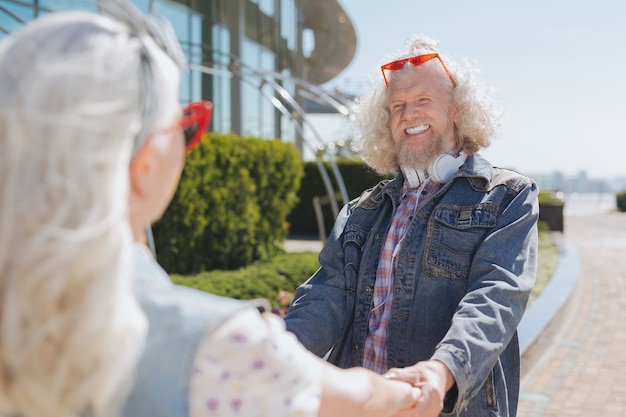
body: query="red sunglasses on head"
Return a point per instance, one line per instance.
(414, 61)
(195, 122)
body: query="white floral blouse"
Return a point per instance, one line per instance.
(251, 366)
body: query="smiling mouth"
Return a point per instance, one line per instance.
(417, 129)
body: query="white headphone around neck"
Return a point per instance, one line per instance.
(441, 170)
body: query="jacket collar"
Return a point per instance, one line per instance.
(476, 169)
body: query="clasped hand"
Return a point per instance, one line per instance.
(433, 379)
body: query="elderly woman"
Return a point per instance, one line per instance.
(92, 145)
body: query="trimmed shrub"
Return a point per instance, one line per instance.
(231, 205)
(274, 279)
(357, 177)
(620, 199)
(548, 197)
(551, 210)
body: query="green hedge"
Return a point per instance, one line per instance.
(551, 210)
(231, 205)
(620, 199)
(276, 279)
(548, 197)
(273, 279)
(357, 177)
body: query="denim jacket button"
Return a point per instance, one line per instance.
(368, 290)
(355, 347)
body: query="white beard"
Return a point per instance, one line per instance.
(420, 160)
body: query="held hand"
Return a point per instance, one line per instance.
(404, 405)
(399, 399)
(359, 392)
(433, 378)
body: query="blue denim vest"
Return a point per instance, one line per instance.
(463, 278)
(178, 319)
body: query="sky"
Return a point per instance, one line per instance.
(558, 66)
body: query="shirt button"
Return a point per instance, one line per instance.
(424, 192)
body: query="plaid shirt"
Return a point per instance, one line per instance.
(375, 349)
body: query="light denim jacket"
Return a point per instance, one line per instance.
(178, 319)
(463, 278)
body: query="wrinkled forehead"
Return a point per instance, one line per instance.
(414, 81)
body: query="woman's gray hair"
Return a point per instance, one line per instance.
(151, 30)
(477, 121)
(77, 95)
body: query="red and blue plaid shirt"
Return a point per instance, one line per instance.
(375, 349)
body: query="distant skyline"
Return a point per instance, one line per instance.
(559, 68)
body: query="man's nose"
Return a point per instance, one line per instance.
(411, 111)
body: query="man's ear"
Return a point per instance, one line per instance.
(142, 171)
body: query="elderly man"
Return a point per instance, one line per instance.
(426, 277)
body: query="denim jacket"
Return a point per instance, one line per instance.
(463, 278)
(178, 318)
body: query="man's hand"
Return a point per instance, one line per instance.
(433, 378)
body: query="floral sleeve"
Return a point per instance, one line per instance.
(251, 366)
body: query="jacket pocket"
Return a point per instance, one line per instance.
(454, 233)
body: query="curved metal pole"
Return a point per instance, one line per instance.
(338, 102)
(292, 101)
(235, 65)
(235, 70)
(320, 165)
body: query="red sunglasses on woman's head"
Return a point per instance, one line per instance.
(414, 61)
(195, 122)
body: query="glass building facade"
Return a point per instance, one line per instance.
(259, 61)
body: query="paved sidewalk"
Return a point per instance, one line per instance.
(577, 367)
(303, 244)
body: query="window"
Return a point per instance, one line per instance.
(13, 16)
(69, 5)
(221, 84)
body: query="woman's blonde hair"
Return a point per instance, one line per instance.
(477, 120)
(73, 105)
